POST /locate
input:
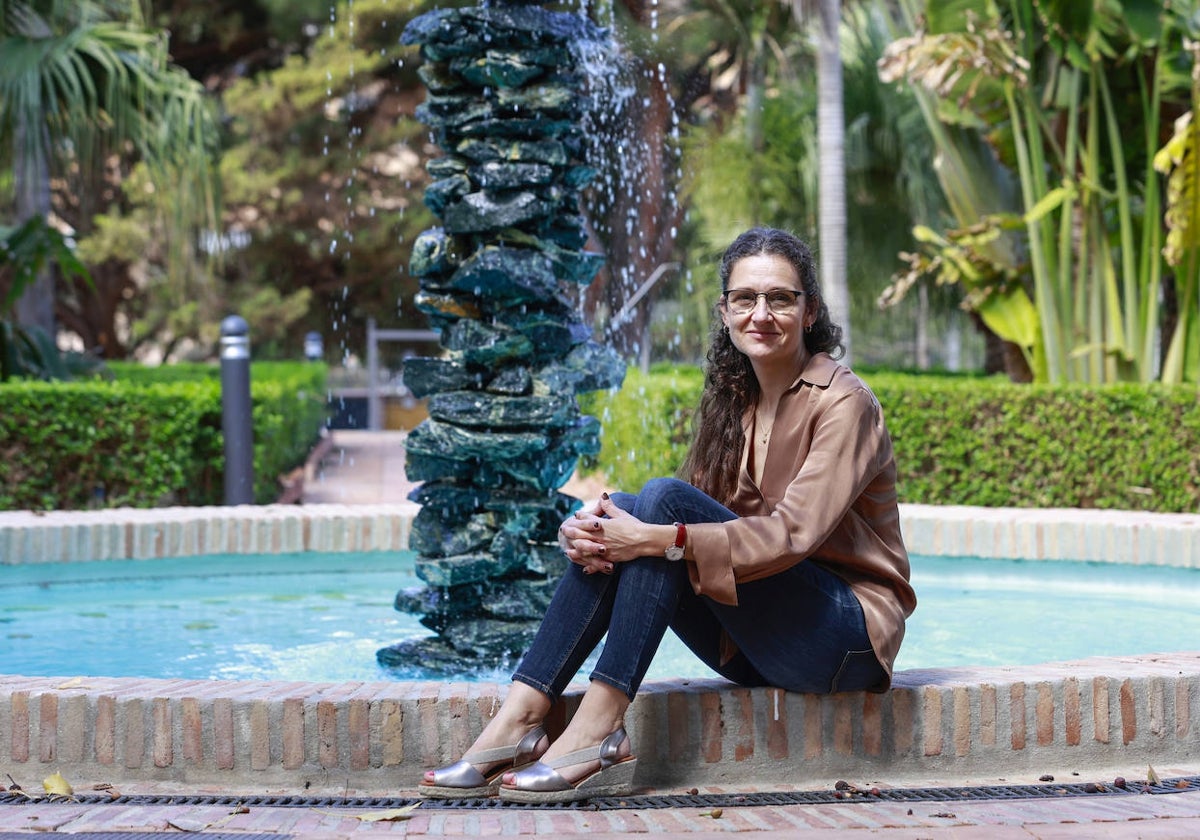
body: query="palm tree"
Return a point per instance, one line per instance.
(85, 79)
(831, 153)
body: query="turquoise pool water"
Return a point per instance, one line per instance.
(321, 618)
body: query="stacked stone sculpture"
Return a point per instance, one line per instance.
(505, 103)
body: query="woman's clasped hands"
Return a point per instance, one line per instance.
(598, 537)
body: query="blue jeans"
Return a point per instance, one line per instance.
(801, 629)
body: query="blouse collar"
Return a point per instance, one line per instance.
(819, 371)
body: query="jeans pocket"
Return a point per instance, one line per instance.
(860, 670)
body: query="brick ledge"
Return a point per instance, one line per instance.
(1120, 713)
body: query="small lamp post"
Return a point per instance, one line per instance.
(236, 422)
(314, 347)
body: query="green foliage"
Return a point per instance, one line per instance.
(150, 436)
(29, 351)
(962, 440)
(323, 173)
(1073, 101)
(730, 184)
(289, 412)
(97, 444)
(992, 443)
(647, 423)
(86, 90)
(25, 251)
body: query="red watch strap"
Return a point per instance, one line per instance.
(680, 534)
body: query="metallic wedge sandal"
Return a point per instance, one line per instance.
(462, 780)
(542, 783)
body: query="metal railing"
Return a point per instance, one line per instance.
(374, 386)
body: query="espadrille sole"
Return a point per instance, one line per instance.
(614, 780)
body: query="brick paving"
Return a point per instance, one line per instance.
(1175, 815)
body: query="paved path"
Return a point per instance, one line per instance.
(1175, 815)
(357, 467)
(354, 467)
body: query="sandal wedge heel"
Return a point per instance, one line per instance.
(541, 782)
(463, 779)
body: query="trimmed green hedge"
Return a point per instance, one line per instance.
(647, 424)
(152, 436)
(962, 440)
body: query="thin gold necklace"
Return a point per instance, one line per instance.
(765, 433)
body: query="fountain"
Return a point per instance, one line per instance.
(498, 280)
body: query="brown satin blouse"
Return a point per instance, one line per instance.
(827, 495)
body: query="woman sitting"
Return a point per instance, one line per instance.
(778, 561)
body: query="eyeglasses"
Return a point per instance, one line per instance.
(779, 301)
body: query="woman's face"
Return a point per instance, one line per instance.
(768, 337)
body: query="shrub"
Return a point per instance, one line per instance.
(993, 443)
(647, 424)
(149, 437)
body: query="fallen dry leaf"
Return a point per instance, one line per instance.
(56, 785)
(104, 787)
(193, 827)
(390, 815)
(188, 826)
(74, 682)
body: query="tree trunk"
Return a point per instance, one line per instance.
(831, 183)
(91, 310)
(922, 338)
(35, 307)
(1000, 356)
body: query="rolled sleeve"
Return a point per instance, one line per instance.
(711, 571)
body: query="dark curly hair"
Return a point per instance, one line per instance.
(730, 386)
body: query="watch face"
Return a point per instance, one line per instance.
(674, 552)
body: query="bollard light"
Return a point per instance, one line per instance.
(236, 411)
(314, 346)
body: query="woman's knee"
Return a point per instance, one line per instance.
(658, 494)
(625, 501)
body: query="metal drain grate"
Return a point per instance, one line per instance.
(847, 795)
(145, 835)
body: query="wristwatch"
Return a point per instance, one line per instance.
(675, 552)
